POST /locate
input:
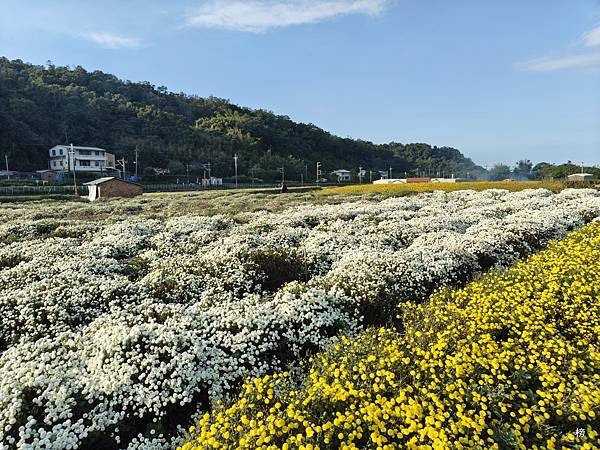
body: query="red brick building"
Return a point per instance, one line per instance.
(48, 176)
(112, 187)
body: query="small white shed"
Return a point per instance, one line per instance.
(581, 177)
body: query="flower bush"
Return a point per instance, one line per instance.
(143, 362)
(116, 328)
(510, 361)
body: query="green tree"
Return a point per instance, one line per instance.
(523, 169)
(499, 172)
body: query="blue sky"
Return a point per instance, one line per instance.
(500, 80)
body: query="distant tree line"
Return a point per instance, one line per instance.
(526, 170)
(41, 106)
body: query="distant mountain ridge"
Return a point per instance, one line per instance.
(41, 106)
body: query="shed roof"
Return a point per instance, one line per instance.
(105, 179)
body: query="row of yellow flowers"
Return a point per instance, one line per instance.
(510, 361)
(406, 188)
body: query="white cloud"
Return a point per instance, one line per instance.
(261, 15)
(547, 64)
(589, 60)
(108, 40)
(592, 38)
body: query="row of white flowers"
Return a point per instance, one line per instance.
(146, 362)
(112, 333)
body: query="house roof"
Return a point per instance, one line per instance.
(105, 179)
(80, 147)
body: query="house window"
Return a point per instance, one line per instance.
(61, 151)
(97, 163)
(84, 163)
(54, 163)
(53, 152)
(61, 164)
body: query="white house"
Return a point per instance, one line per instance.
(342, 174)
(449, 180)
(64, 158)
(159, 171)
(580, 177)
(212, 181)
(390, 181)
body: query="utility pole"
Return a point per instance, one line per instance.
(282, 170)
(206, 167)
(235, 159)
(187, 172)
(360, 174)
(371, 176)
(318, 172)
(6, 161)
(72, 153)
(390, 173)
(581, 166)
(123, 163)
(136, 161)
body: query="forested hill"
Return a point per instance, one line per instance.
(41, 106)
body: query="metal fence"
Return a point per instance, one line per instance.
(41, 190)
(182, 187)
(82, 190)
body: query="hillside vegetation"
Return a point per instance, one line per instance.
(41, 106)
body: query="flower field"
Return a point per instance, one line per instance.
(405, 188)
(122, 320)
(510, 361)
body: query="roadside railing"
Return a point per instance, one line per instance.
(41, 190)
(82, 190)
(182, 187)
